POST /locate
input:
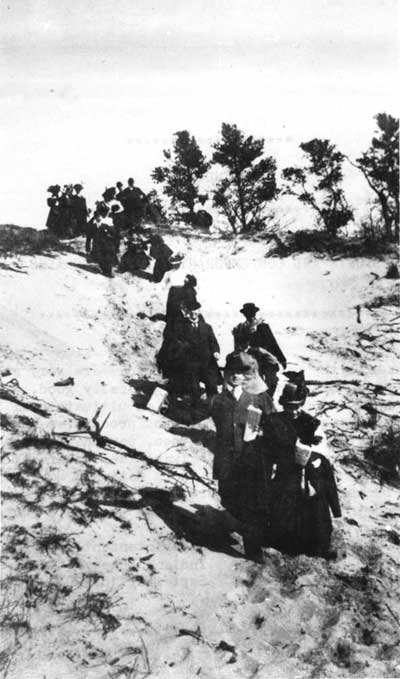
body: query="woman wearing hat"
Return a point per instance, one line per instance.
(240, 465)
(303, 489)
(256, 337)
(53, 219)
(79, 209)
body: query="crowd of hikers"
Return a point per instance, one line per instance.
(271, 477)
(116, 235)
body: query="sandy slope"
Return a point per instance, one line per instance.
(105, 573)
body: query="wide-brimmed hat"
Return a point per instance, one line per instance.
(240, 362)
(291, 395)
(78, 187)
(192, 305)
(54, 188)
(109, 193)
(249, 308)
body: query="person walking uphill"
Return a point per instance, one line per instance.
(303, 490)
(197, 352)
(240, 465)
(255, 336)
(178, 296)
(162, 254)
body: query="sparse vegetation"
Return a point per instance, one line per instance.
(384, 451)
(18, 240)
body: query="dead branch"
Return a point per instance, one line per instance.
(371, 409)
(355, 383)
(182, 470)
(393, 613)
(12, 392)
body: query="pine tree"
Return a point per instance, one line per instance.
(319, 184)
(249, 184)
(184, 166)
(380, 167)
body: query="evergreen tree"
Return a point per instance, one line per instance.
(184, 166)
(319, 184)
(380, 167)
(249, 183)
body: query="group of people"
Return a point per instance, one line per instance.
(271, 477)
(115, 220)
(68, 210)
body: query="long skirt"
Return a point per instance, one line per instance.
(300, 523)
(245, 490)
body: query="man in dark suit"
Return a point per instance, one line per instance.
(200, 352)
(256, 337)
(133, 200)
(179, 295)
(79, 209)
(189, 356)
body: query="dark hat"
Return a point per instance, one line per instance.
(249, 308)
(291, 395)
(109, 193)
(54, 188)
(191, 280)
(240, 362)
(78, 187)
(192, 305)
(309, 426)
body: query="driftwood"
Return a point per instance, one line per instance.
(14, 393)
(378, 388)
(182, 470)
(356, 383)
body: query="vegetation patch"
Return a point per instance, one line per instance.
(19, 240)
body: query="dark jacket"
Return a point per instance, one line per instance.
(302, 498)
(196, 343)
(242, 468)
(178, 295)
(262, 337)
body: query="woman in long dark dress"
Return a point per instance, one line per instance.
(53, 202)
(303, 487)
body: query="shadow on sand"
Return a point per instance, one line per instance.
(201, 525)
(143, 390)
(89, 268)
(204, 436)
(139, 273)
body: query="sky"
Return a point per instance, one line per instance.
(93, 90)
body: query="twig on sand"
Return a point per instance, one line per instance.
(147, 521)
(396, 617)
(356, 383)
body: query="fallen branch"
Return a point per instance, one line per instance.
(393, 613)
(183, 470)
(356, 383)
(8, 393)
(12, 391)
